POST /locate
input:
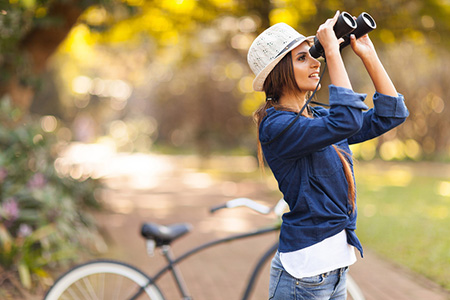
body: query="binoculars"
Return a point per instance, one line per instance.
(344, 27)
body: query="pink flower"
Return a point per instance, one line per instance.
(9, 211)
(24, 230)
(37, 181)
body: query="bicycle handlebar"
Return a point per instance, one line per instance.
(278, 209)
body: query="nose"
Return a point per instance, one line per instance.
(314, 62)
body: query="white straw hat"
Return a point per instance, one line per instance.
(269, 48)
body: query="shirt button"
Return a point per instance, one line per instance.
(349, 212)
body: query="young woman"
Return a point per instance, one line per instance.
(309, 155)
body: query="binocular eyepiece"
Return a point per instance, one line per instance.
(344, 27)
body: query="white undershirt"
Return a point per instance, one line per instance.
(328, 255)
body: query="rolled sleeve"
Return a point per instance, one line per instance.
(389, 106)
(347, 97)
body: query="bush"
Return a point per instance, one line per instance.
(44, 218)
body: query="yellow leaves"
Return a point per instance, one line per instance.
(366, 150)
(386, 36)
(95, 15)
(427, 22)
(40, 12)
(121, 33)
(179, 6)
(251, 103)
(224, 4)
(413, 149)
(153, 19)
(134, 2)
(246, 84)
(415, 36)
(285, 15)
(78, 41)
(390, 150)
(234, 70)
(27, 3)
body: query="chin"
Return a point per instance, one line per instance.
(312, 88)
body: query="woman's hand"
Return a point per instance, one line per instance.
(326, 35)
(330, 43)
(363, 46)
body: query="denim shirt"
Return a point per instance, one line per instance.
(308, 170)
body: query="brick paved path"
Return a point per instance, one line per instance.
(182, 195)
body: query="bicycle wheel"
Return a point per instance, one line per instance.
(354, 292)
(104, 280)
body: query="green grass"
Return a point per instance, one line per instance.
(404, 215)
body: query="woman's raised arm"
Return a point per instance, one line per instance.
(364, 48)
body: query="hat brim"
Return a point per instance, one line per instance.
(258, 82)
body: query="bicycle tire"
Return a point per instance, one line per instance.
(353, 290)
(103, 279)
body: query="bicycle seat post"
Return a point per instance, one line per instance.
(167, 252)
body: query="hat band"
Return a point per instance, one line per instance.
(288, 46)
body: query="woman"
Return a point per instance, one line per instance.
(310, 157)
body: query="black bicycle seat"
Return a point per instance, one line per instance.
(164, 235)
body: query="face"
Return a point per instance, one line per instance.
(306, 68)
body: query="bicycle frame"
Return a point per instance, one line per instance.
(172, 262)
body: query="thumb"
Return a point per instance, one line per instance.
(352, 39)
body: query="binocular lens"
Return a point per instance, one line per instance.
(370, 22)
(349, 20)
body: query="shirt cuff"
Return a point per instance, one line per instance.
(389, 106)
(346, 97)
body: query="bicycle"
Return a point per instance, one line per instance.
(108, 279)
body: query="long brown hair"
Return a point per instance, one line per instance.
(278, 83)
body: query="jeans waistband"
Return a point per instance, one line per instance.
(337, 271)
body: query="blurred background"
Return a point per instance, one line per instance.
(82, 83)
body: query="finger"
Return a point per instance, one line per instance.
(336, 15)
(340, 41)
(335, 18)
(352, 40)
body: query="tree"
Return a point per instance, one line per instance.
(182, 38)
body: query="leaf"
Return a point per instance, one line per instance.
(42, 232)
(5, 239)
(24, 273)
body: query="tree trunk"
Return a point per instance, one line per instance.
(38, 45)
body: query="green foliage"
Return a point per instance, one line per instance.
(43, 217)
(403, 214)
(19, 20)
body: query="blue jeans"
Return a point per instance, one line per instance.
(327, 286)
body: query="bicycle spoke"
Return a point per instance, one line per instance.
(102, 285)
(64, 297)
(82, 290)
(118, 287)
(90, 289)
(72, 294)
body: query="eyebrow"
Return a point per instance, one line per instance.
(300, 53)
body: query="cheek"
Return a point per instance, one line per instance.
(301, 78)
